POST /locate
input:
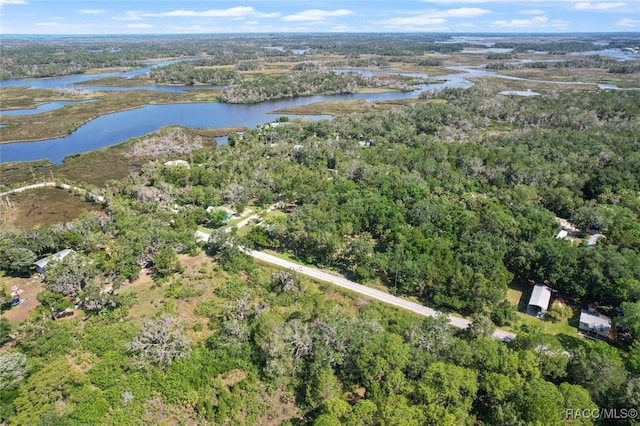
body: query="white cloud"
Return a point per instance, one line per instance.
(494, 1)
(233, 12)
(585, 5)
(531, 12)
(414, 21)
(559, 25)
(316, 15)
(463, 12)
(139, 26)
(459, 1)
(91, 11)
(626, 22)
(433, 17)
(130, 15)
(12, 2)
(46, 24)
(537, 21)
(191, 29)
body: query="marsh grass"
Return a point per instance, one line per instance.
(348, 107)
(21, 98)
(44, 206)
(585, 75)
(496, 85)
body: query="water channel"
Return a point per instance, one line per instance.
(114, 128)
(117, 127)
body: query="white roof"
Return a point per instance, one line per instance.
(540, 296)
(56, 256)
(562, 234)
(177, 163)
(593, 239)
(595, 321)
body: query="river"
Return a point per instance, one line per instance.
(114, 128)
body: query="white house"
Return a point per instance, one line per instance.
(594, 324)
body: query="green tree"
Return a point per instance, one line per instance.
(633, 357)
(448, 391)
(5, 331)
(598, 368)
(631, 318)
(480, 327)
(541, 402)
(54, 302)
(323, 387)
(18, 260)
(327, 420)
(61, 384)
(362, 414)
(576, 399)
(380, 362)
(165, 263)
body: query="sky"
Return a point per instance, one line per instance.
(271, 16)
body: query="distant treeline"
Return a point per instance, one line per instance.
(594, 61)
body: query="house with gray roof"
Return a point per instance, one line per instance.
(593, 324)
(41, 265)
(539, 300)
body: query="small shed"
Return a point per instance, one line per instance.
(594, 324)
(593, 240)
(539, 301)
(41, 265)
(178, 163)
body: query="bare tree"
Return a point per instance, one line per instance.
(161, 341)
(69, 275)
(286, 280)
(12, 370)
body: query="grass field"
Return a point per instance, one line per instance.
(349, 107)
(44, 206)
(584, 75)
(518, 295)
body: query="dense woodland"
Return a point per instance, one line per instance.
(68, 55)
(591, 61)
(60, 55)
(450, 201)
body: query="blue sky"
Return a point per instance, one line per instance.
(260, 16)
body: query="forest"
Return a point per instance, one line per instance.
(452, 199)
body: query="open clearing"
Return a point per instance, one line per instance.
(43, 206)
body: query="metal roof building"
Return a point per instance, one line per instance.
(594, 324)
(41, 264)
(539, 301)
